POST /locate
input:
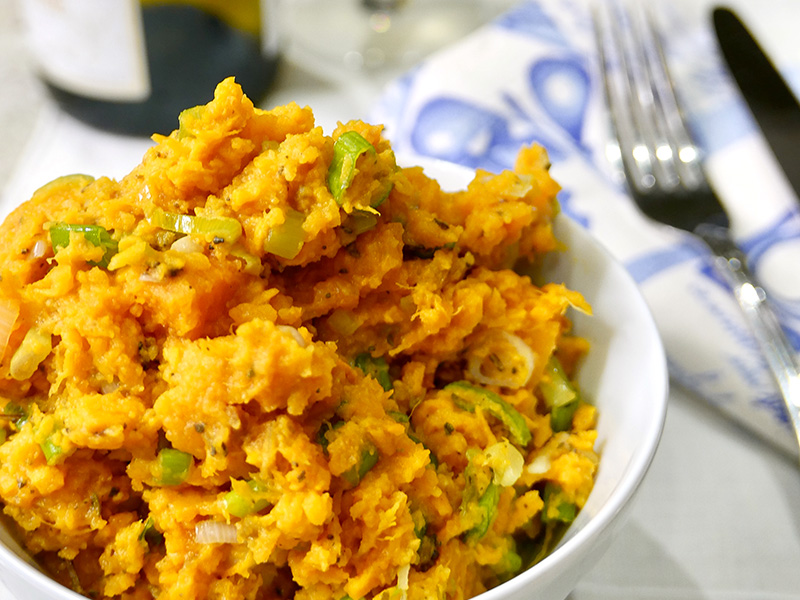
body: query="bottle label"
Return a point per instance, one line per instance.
(93, 48)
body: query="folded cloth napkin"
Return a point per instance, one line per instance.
(533, 76)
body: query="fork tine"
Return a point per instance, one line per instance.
(641, 100)
(650, 101)
(621, 148)
(654, 148)
(685, 155)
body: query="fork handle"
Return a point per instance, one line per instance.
(752, 298)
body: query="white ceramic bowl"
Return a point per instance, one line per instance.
(625, 376)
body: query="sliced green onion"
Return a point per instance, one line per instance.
(509, 364)
(480, 496)
(16, 413)
(75, 179)
(52, 451)
(346, 150)
(174, 466)
(35, 347)
(321, 437)
(398, 416)
(151, 535)
(227, 228)
(359, 221)
(322, 434)
(560, 395)
(286, 240)
(506, 462)
(420, 524)
(215, 532)
(428, 550)
(187, 121)
(509, 565)
(252, 263)
(48, 435)
(383, 194)
(344, 322)
(245, 498)
(492, 403)
(94, 234)
(487, 509)
(375, 367)
(368, 459)
(557, 507)
(402, 579)
(434, 460)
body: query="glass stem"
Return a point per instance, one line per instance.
(382, 5)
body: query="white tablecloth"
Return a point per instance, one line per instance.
(718, 516)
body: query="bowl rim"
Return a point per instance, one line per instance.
(9, 560)
(636, 469)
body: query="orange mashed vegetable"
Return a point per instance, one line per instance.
(272, 366)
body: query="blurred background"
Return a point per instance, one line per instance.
(22, 96)
(129, 68)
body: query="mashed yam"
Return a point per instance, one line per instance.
(269, 363)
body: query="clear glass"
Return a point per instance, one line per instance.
(331, 36)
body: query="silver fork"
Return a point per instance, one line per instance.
(664, 173)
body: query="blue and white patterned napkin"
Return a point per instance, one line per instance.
(533, 76)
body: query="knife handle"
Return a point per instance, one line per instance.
(752, 298)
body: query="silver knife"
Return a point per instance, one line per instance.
(772, 103)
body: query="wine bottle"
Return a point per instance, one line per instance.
(131, 66)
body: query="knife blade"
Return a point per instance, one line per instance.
(773, 104)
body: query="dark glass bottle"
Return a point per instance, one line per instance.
(190, 46)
